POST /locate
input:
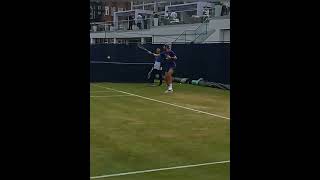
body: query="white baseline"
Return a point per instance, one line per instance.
(100, 91)
(160, 169)
(110, 96)
(211, 114)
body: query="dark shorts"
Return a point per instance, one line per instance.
(169, 66)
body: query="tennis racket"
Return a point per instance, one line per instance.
(143, 48)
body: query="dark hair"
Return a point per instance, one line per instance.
(166, 46)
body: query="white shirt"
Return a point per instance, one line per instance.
(157, 65)
(173, 15)
(227, 3)
(139, 18)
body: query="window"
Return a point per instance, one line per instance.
(161, 9)
(176, 2)
(148, 40)
(91, 13)
(149, 7)
(137, 7)
(112, 10)
(190, 7)
(226, 35)
(100, 40)
(107, 10)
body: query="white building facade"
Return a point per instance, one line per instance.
(199, 21)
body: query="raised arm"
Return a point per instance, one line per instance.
(174, 57)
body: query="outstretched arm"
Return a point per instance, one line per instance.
(174, 57)
(154, 54)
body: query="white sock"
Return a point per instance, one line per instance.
(170, 87)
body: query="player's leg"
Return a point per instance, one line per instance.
(153, 76)
(170, 72)
(149, 77)
(166, 76)
(169, 80)
(160, 77)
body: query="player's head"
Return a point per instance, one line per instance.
(158, 50)
(166, 47)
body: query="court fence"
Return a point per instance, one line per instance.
(128, 63)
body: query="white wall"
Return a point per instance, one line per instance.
(217, 24)
(170, 31)
(225, 35)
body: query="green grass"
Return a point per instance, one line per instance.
(129, 133)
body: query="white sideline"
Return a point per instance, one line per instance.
(160, 169)
(99, 91)
(111, 96)
(211, 114)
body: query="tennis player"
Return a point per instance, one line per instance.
(169, 64)
(157, 69)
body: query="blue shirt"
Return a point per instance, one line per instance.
(171, 53)
(163, 56)
(157, 58)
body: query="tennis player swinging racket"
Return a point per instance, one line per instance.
(169, 64)
(157, 69)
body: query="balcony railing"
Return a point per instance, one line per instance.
(127, 25)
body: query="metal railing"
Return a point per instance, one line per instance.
(127, 25)
(122, 25)
(196, 35)
(163, 20)
(201, 32)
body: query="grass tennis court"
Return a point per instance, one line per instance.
(134, 127)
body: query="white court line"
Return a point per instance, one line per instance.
(100, 91)
(160, 169)
(211, 114)
(111, 96)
